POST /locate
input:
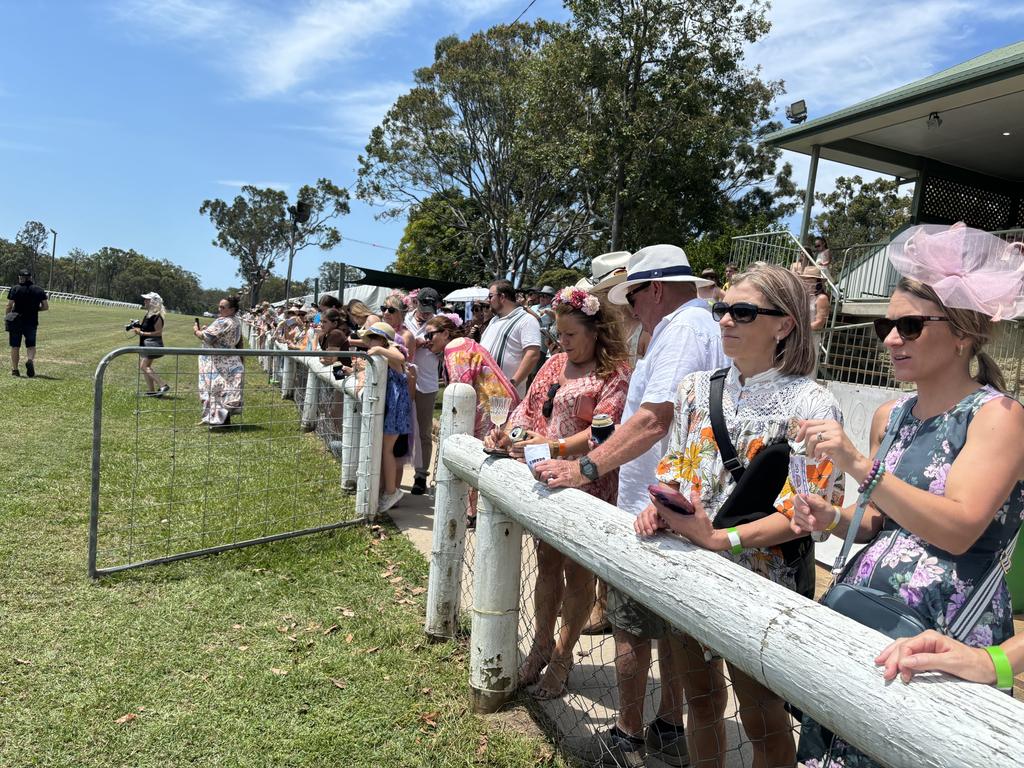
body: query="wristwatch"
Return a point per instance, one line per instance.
(589, 469)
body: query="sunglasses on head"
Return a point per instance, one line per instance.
(742, 311)
(631, 295)
(549, 405)
(909, 327)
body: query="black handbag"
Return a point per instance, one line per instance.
(757, 487)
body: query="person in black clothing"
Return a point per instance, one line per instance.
(150, 333)
(26, 301)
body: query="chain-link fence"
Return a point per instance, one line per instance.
(526, 577)
(174, 476)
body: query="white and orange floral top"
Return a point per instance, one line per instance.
(763, 410)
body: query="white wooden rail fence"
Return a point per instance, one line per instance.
(79, 299)
(362, 414)
(819, 660)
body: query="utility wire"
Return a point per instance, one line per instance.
(372, 245)
(524, 11)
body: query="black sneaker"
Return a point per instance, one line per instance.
(15, 372)
(30, 369)
(419, 486)
(607, 748)
(667, 744)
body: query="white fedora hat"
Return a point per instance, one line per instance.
(606, 270)
(661, 263)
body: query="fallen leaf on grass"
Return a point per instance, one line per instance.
(373, 650)
(125, 719)
(348, 638)
(279, 672)
(237, 626)
(243, 647)
(429, 719)
(396, 580)
(331, 630)
(418, 590)
(23, 662)
(340, 682)
(427, 691)
(348, 613)
(481, 745)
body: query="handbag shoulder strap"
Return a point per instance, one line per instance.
(725, 447)
(898, 417)
(980, 599)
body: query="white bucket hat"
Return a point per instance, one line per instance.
(660, 263)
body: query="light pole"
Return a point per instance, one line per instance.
(299, 214)
(53, 258)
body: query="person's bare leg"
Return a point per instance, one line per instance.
(632, 663)
(766, 722)
(705, 688)
(576, 603)
(30, 354)
(387, 464)
(147, 374)
(15, 355)
(547, 593)
(598, 621)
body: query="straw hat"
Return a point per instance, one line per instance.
(381, 329)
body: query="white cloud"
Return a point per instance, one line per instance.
(238, 183)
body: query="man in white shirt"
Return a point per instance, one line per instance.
(661, 291)
(513, 335)
(427, 382)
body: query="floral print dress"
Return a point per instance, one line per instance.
(467, 362)
(220, 376)
(934, 582)
(763, 410)
(573, 408)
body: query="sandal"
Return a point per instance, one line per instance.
(541, 692)
(533, 665)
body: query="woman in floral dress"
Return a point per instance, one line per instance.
(766, 332)
(590, 376)
(220, 376)
(951, 496)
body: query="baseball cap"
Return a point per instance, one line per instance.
(25, 273)
(428, 297)
(152, 295)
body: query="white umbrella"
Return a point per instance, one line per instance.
(467, 294)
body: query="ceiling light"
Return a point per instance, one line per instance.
(1006, 133)
(934, 121)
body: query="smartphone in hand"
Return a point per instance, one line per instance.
(674, 500)
(197, 323)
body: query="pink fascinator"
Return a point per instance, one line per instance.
(968, 268)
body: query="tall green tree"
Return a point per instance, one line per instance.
(255, 228)
(32, 239)
(476, 122)
(856, 212)
(676, 117)
(434, 246)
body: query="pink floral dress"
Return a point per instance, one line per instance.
(573, 408)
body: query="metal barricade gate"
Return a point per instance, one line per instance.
(165, 488)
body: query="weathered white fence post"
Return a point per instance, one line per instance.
(287, 377)
(351, 427)
(494, 646)
(371, 437)
(311, 402)
(458, 414)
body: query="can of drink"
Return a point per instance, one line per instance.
(517, 434)
(601, 427)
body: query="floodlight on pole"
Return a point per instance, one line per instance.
(796, 112)
(299, 214)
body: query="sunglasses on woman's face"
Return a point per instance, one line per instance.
(549, 405)
(429, 335)
(742, 312)
(909, 327)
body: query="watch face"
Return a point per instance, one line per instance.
(588, 468)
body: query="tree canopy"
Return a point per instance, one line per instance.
(858, 212)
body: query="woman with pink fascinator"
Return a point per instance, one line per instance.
(941, 501)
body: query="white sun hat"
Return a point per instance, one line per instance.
(661, 263)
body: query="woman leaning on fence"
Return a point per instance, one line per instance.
(220, 376)
(749, 412)
(590, 376)
(946, 497)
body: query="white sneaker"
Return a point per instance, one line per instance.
(390, 500)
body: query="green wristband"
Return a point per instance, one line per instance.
(734, 540)
(1004, 672)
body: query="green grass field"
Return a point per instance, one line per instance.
(307, 652)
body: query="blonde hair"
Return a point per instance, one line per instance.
(967, 324)
(610, 350)
(358, 311)
(156, 308)
(795, 354)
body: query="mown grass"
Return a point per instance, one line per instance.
(308, 652)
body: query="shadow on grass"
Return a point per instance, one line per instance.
(44, 377)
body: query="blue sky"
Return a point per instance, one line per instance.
(119, 117)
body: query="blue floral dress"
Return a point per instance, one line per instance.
(934, 582)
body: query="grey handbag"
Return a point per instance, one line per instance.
(886, 613)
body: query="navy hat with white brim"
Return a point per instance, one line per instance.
(656, 263)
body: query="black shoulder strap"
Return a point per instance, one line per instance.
(725, 446)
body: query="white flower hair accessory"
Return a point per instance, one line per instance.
(456, 320)
(578, 299)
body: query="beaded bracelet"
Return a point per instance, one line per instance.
(874, 483)
(875, 466)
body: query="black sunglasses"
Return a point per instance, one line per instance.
(429, 335)
(631, 295)
(909, 327)
(385, 310)
(742, 312)
(549, 406)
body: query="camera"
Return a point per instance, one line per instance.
(338, 371)
(132, 324)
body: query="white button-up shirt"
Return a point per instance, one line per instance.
(686, 340)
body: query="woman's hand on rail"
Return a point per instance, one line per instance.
(696, 527)
(533, 438)
(810, 513)
(823, 437)
(649, 522)
(933, 652)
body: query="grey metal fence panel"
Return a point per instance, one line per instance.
(166, 489)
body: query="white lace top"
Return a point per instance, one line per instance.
(763, 410)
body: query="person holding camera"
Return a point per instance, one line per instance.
(221, 376)
(150, 332)
(24, 303)
(590, 376)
